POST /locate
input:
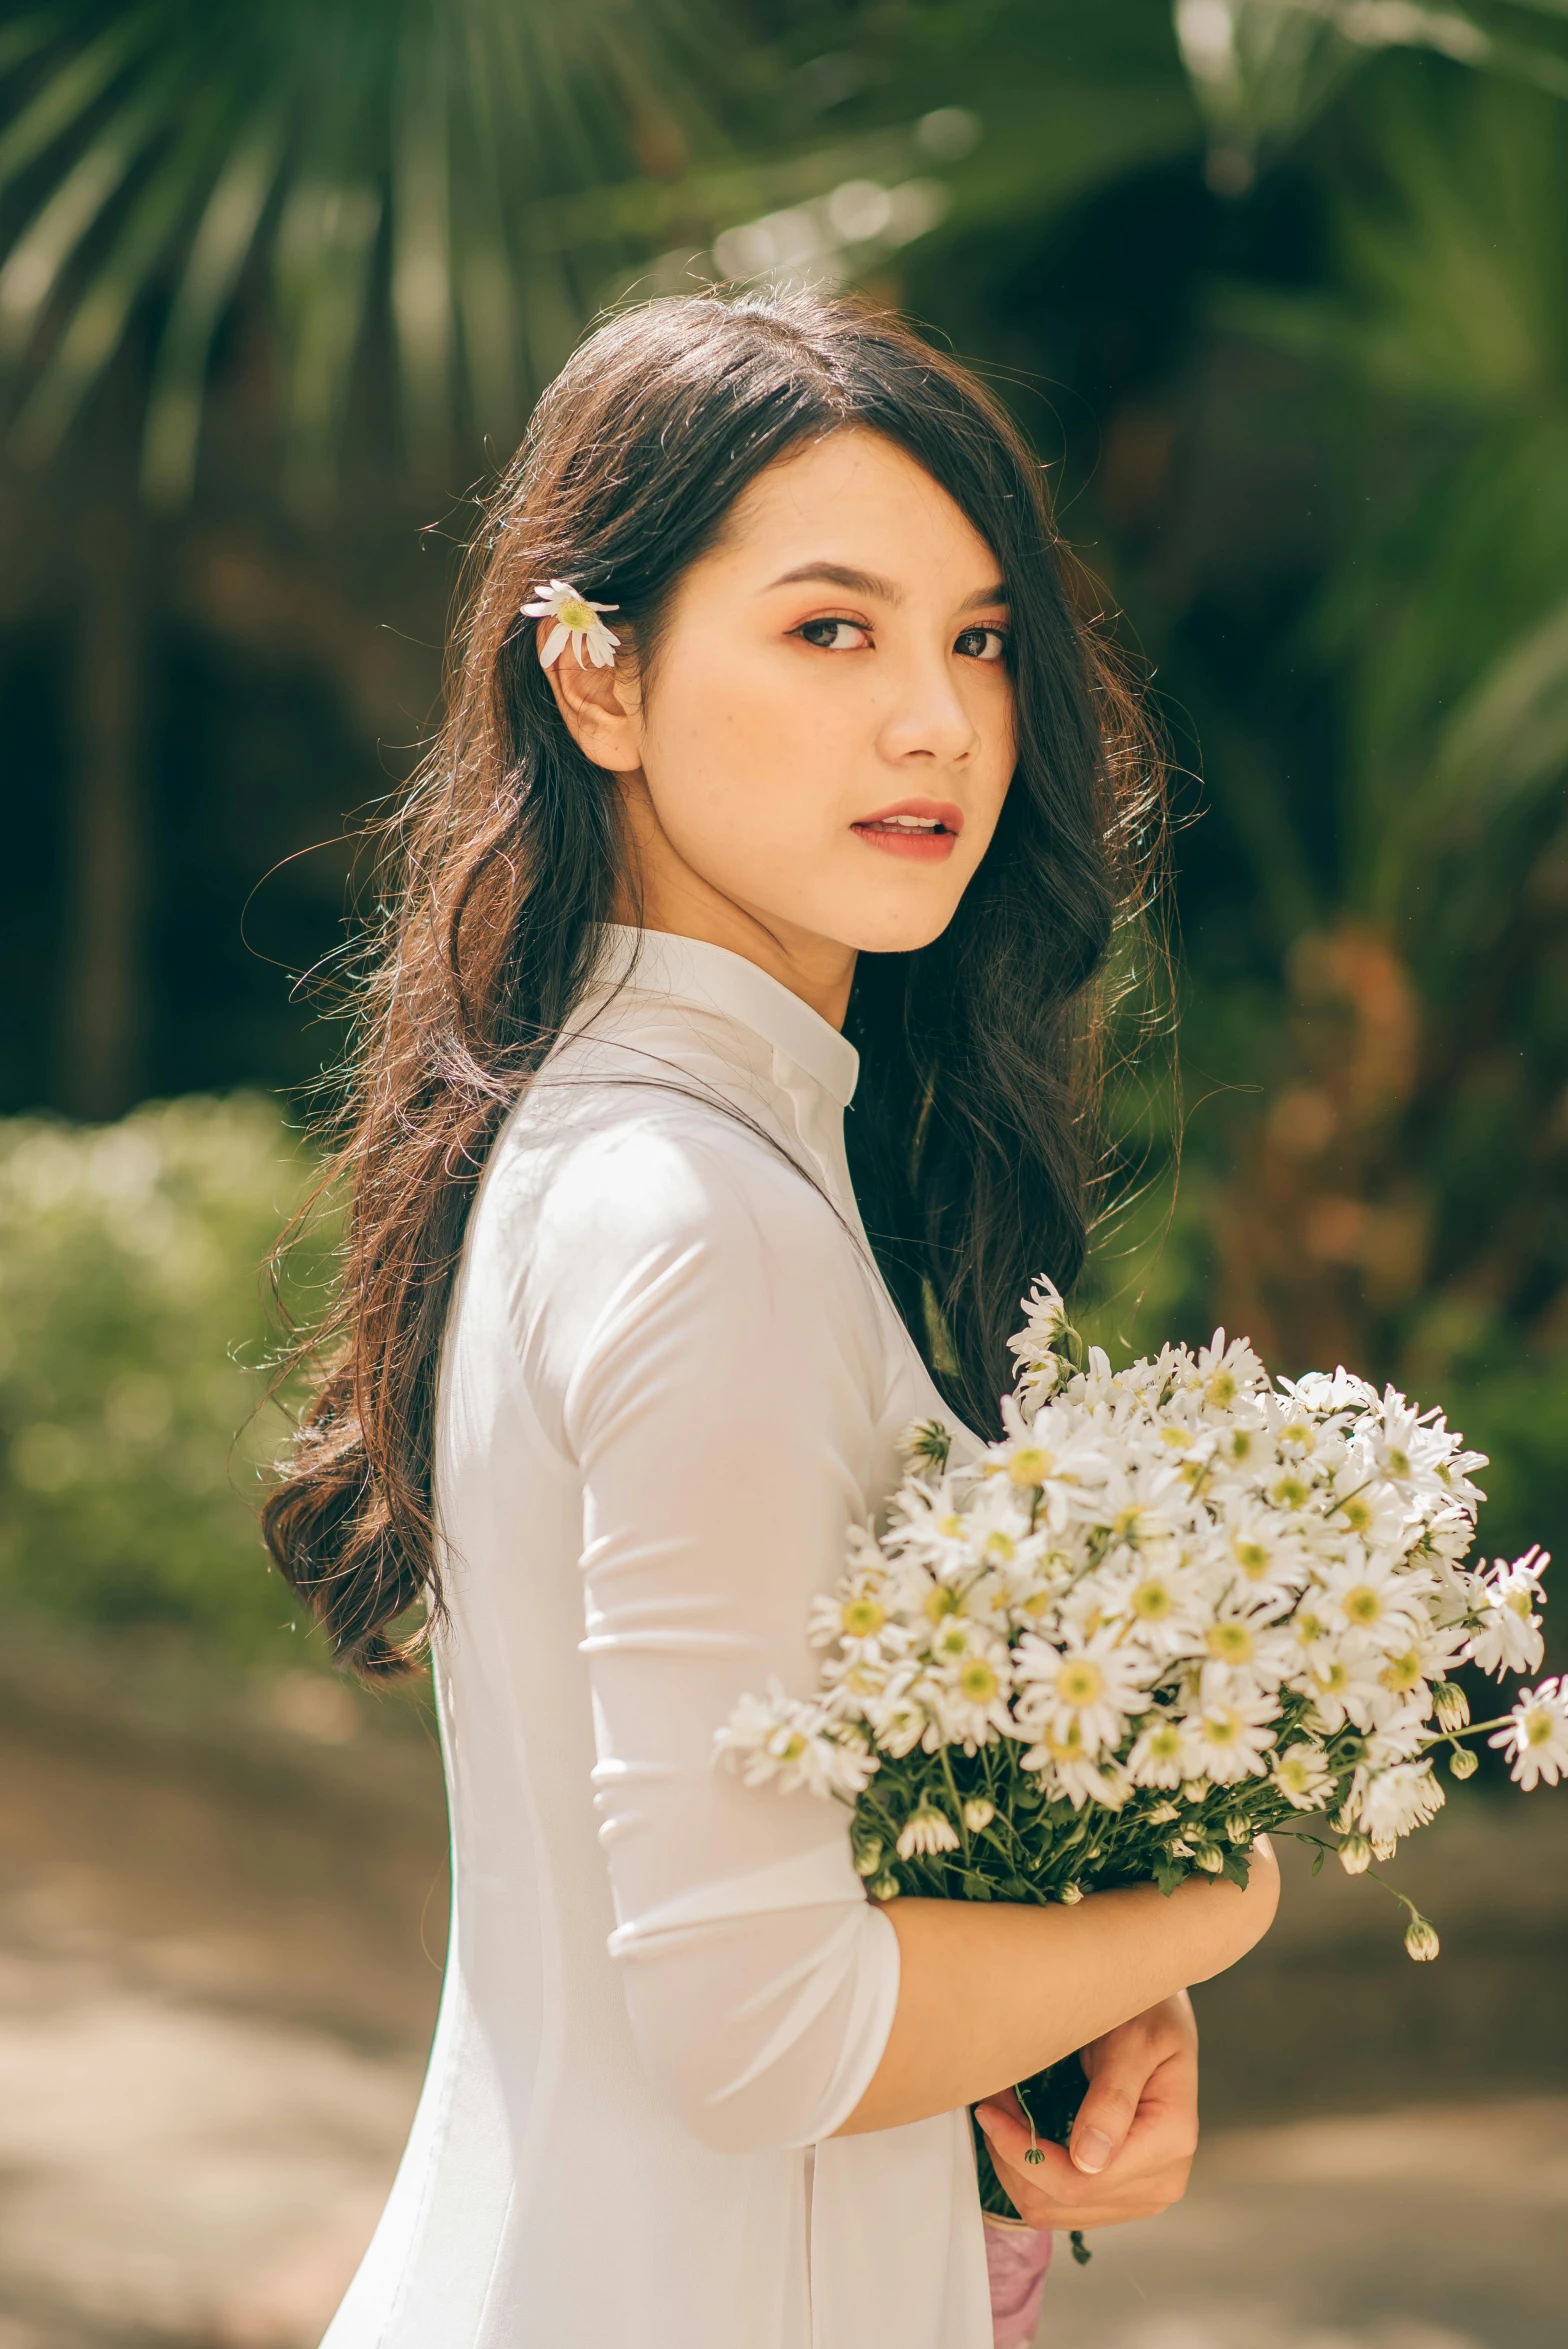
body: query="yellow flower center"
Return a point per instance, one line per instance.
(1176, 1437)
(978, 1681)
(1127, 1525)
(1079, 1682)
(1001, 1546)
(1519, 1601)
(1031, 1465)
(940, 1602)
(1220, 1728)
(1401, 1673)
(1252, 1557)
(1356, 1514)
(1165, 1742)
(1362, 1604)
(1538, 1727)
(1292, 1493)
(862, 1617)
(1239, 1443)
(1229, 1643)
(1399, 1462)
(1221, 1388)
(574, 613)
(1300, 1433)
(1151, 1602)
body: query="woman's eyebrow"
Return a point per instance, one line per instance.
(987, 595)
(868, 583)
(840, 575)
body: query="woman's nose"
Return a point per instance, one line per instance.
(928, 717)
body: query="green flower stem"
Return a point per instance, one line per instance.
(1470, 1729)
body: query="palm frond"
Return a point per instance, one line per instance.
(366, 156)
(1265, 69)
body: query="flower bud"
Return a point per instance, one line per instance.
(1463, 1763)
(1238, 1829)
(885, 1888)
(1162, 1814)
(1450, 1704)
(1421, 1940)
(1355, 1855)
(1071, 1895)
(1384, 1846)
(978, 1813)
(868, 1858)
(1210, 1860)
(1195, 1790)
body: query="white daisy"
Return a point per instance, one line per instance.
(1233, 1738)
(577, 624)
(1303, 1777)
(1341, 1681)
(1509, 1636)
(1397, 1801)
(855, 1619)
(1159, 1605)
(1375, 1600)
(1226, 1373)
(1045, 1316)
(1536, 1738)
(1068, 1770)
(776, 1737)
(1242, 1653)
(1085, 1689)
(1166, 1754)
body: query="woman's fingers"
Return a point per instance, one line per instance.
(1133, 2141)
(1053, 2193)
(1143, 2075)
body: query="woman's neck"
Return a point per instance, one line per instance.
(678, 899)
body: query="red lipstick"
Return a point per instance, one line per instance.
(924, 831)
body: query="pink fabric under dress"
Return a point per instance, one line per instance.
(1018, 2259)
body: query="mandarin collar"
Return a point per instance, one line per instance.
(690, 970)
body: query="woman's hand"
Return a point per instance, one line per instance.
(1135, 2135)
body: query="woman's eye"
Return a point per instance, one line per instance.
(982, 644)
(835, 635)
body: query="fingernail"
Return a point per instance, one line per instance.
(1091, 2150)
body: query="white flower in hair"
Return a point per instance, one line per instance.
(576, 623)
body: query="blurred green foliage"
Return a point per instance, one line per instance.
(134, 1326)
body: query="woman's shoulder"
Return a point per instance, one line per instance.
(619, 1229)
(597, 1165)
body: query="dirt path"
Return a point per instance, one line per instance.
(219, 1965)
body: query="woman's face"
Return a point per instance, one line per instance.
(821, 754)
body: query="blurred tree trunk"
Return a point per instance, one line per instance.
(103, 1033)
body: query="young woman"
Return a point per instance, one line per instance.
(827, 805)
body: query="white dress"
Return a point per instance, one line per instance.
(672, 1381)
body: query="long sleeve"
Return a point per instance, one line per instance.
(698, 1336)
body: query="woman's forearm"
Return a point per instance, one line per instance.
(990, 1992)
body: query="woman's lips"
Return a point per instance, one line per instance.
(925, 831)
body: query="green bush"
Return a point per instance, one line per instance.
(134, 1326)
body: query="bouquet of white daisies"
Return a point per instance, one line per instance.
(1174, 1607)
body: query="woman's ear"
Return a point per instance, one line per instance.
(602, 708)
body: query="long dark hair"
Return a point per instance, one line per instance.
(969, 1137)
